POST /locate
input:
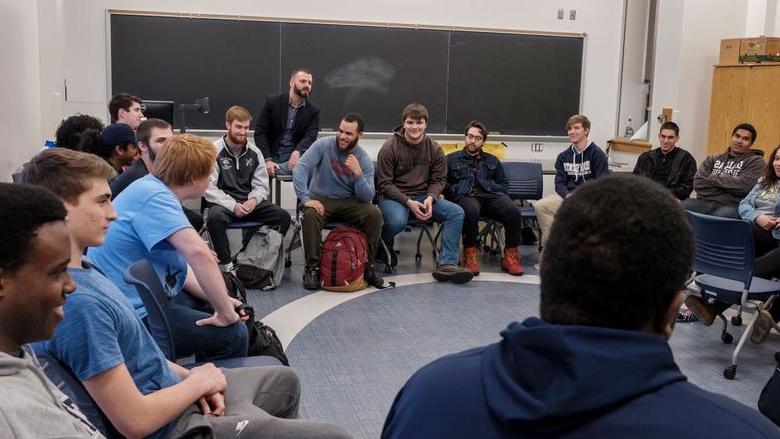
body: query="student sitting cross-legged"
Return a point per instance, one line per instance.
(34, 282)
(103, 341)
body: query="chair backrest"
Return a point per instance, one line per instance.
(524, 180)
(62, 377)
(142, 275)
(724, 247)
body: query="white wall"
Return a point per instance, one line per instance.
(688, 45)
(20, 119)
(633, 96)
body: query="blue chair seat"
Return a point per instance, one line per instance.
(527, 212)
(730, 291)
(245, 225)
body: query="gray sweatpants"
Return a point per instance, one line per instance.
(260, 402)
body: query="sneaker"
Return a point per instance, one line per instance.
(453, 273)
(762, 327)
(686, 316)
(227, 268)
(511, 262)
(372, 278)
(705, 311)
(470, 260)
(311, 279)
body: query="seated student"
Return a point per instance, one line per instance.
(127, 109)
(476, 182)
(669, 165)
(761, 209)
(117, 146)
(411, 172)
(334, 181)
(238, 189)
(105, 344)
(723, 180)
(78, 129)
(580, 163)
(152, 226)
(34, 282)
(597, 363)
(151, 135)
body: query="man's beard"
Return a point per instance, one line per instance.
(300, 92)
(351, 145)
(236, 140)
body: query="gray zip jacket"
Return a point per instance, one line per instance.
(32, 407)
(236, 178)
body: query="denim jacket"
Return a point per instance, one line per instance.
(747, 207)
(460, 175)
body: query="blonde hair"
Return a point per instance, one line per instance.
(578, 118)
(66, 172)
(237, 112)
(183, 159)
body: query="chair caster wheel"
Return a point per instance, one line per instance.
(736, 320)
(417, 257)
(726, 338)
(287, 263)
(388, 269)
(730, 372)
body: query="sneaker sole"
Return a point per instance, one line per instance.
(702, 313)
(513, 274)
(460, 277)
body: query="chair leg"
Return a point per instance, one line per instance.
(731, 370)
(388, 266)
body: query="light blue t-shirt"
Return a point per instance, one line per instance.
(101, 331)
(148, 214)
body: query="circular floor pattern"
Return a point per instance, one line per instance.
(353, 358)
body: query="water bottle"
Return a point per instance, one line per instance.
(629, 129)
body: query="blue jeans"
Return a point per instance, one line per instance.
(207, 343)
(449, 214)
(281, 158)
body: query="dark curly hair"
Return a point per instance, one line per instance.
(25, 209)
(78, 132)
(619, 250)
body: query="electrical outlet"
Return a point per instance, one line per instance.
(560, 14)
(536, 147)
(573, 14)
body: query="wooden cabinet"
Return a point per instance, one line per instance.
(745, 93)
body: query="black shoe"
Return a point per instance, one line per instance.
(311, 279)
(381, 256)
(452, 273)
(372, 278)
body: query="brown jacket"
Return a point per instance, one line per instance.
(404, 171)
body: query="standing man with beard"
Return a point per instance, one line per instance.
(334, 181)
(476, 182)
(288, 125)
(239, 187)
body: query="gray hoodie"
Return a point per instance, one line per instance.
(32, 407)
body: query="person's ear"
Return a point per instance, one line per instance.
(666, 325)
(227, 125)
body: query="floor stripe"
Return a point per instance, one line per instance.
(290, 319)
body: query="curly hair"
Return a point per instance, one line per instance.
(78, 132)
(25, 209)
(615, 267)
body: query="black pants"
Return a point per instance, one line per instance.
(767, 266)
(220, 218)
(497, 207)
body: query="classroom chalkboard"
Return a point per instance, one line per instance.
(518, 84)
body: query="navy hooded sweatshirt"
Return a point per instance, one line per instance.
(543, 380)
(573, 168)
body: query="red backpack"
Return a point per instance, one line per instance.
(343, 260)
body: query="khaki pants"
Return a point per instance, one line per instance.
(546, 208)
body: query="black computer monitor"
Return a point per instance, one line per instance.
(158, 110)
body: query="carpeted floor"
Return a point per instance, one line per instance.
(354, 357)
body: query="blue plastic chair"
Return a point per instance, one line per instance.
(723, 267)
(62, 377)
(524, 183)
(143, 276)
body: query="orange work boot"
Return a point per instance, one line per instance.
(511, 262)
(470, 260)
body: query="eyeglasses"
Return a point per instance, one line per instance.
(476, 138)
